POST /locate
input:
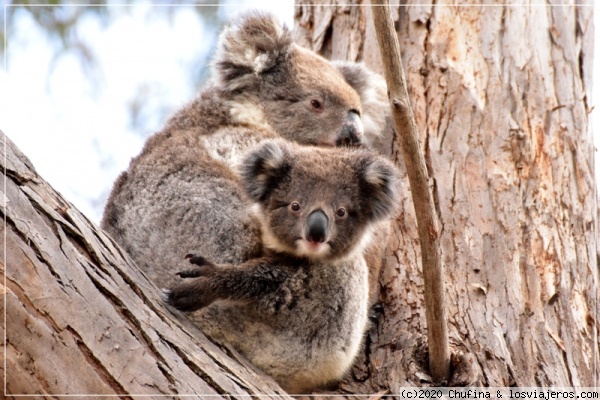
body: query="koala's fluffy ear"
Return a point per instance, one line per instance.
(372, 90)
(254, 43)
(380, 185)
(264, 168)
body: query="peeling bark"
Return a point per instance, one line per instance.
(500, 96)
(82, 319)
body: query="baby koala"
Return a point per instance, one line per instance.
(299, 313)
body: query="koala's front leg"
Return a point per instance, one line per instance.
(250, 281)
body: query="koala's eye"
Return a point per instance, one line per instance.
(341, 212)
(317, 105)
(295, 206)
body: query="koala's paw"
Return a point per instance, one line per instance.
(199, 260)
(190, 296)
(195, 272)
(206, 267)
(375, 312)
(164, 295)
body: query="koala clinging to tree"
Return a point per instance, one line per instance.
(300, 312)
(182, 193)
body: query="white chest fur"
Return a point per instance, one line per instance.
(229, 146)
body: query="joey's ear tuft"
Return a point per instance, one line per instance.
(265, 167)
(253, 44)
(380, 186)
(372, 90)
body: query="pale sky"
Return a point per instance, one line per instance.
(77, 134)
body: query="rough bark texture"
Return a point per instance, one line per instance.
(82, 319)
(500, 95)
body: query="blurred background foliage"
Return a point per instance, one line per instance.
(86, 82)
(60, 21)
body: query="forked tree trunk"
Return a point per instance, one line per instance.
(501, 96)
(81, 319)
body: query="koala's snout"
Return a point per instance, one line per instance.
(316, 227)
(352, 131)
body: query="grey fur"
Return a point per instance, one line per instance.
(372, 89)
(182, 194)
(299, 313)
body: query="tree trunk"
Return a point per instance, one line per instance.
(82, 319)
(500, 95)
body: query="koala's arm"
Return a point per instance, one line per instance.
(251, 281)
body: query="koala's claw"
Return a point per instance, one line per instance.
(190, 273)
(375, 312)
(165, 294)
(199, 260)
(205, 267)
(187, 297)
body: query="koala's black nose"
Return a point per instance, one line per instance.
(352, 131)
(316, 228)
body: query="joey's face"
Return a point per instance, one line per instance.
(315, 216)
(316, 202)
(308, 101)
(306, 227)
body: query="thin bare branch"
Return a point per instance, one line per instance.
(429, 234)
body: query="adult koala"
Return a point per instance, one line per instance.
(183, 193)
